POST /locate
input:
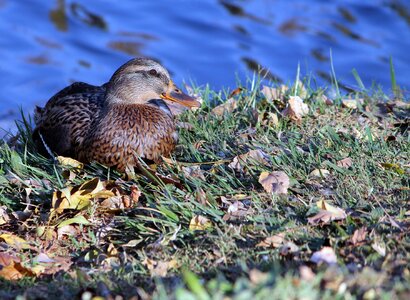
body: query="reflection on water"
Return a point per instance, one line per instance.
(46, 45)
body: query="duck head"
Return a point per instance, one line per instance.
(141, 80)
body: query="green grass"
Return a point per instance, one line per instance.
(223, 261)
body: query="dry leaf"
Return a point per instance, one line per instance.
(4, 217)
(306, 273)
(359, 236)
(236, 210)
(275, 182)
(159, 268)
(240, 161)
(199, 223)
(288, 248)
(274, 241)
(319, 173)
(70, 162)
(235, 92)
(229, 106)
(326, 254)
(194, 171)
(258, 277)
(379, 247)
(272, 94)
(78, 197)
(15, 241)
(327, 213)
(296, 108)
(11, 268)
(345, 163)
(349, 103)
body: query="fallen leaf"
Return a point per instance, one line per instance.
(379, 247)
(272, 93)
(229, 106)
(295, 108)
(4, 217)
(345, 163)
(319, 173)
(326, 254)
(275, 182)
(359, 236)
(70, 162)
(257, 277)
(199, 223)
(306, 273)
(288, 248)
(235, 92)
(15, 241)
(78, 197)
(12, 269)
(159, 268)
(327, 213)
(236, 210)
(274, 241)
(349, 103)
(194, 171)
(239, 162)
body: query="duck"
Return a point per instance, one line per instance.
(117, 123)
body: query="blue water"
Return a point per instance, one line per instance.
(46, 45)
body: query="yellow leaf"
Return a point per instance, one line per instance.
(14, 241)
(327, 213)
(78, 197)
(69, 162)
(199, 223)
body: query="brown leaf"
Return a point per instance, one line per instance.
(272, 94)
(327, 213)
(274, 241)
(240, 161)
(345, 163)
(70, 162)
(306, 273)
(11, 267)
(359, 236)
(159, 268)
(295, 109)
(235, 92)
(229, 106)
(194, 171)
(275, 182)
(326, 254)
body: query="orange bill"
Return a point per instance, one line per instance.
(176, 95)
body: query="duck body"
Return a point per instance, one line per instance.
(116, 123)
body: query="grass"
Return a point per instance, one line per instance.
(149, 251)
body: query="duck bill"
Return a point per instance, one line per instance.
(174, 94)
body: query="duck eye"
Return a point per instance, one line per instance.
(153, 72)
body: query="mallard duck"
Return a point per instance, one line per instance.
(115, 123)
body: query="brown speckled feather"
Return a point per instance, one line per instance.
(143, 131)
(65, 120)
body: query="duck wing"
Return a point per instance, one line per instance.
(66, 119)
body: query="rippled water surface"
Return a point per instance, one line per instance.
(46, 45)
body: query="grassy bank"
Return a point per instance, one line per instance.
(265, 196)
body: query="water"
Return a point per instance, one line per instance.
(46, 45)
